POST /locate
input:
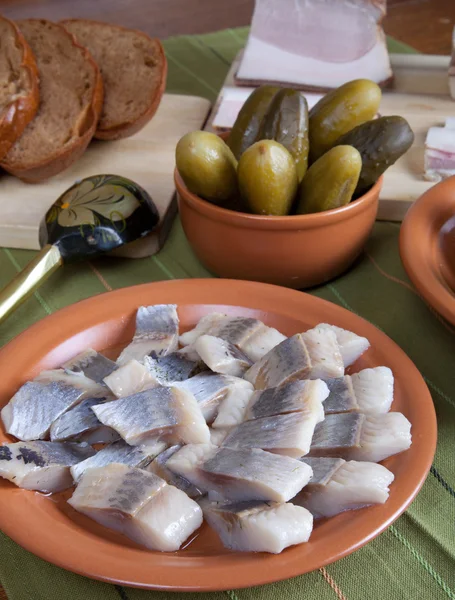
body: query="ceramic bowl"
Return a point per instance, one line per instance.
(427, 247)
(297, 251)
(50, 527)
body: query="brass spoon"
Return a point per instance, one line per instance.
(94, 216)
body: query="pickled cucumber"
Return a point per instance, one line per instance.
(330, 181)
(268, 178)
(207, 166)
(380, 142)
(245, 129)
(339, 111)
(286, 122)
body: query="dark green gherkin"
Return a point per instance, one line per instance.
(245, 129)
(286, 122)
(380, 142)
(340, 110)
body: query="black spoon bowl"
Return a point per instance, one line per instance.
(94, 216)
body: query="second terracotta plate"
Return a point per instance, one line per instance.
(51, 529)
(427, 247)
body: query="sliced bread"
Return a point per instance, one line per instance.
(19, 95)
(134, 70)
(71, 97)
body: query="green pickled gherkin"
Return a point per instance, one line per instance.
(207, 166)
(286, 122)
(245, 129)
(380, 142)
(267, 178)
(330, 181)
(339, 111)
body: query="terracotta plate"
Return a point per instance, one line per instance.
(50, 528)
(427, 247)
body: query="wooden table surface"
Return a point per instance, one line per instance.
(424, 24)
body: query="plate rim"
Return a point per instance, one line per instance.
(417, 258)
(195, 582)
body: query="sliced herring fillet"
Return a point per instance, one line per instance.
(218, 435)
(77, 421)
(233, 407)
(173, 367)
(137, 504)
(383, 435)
(362, 437)
(288, 361)
(99, 435)
(353, 485)
(261, 342)
(250, 335)
(122, 453)
(221, 356)
(337, 435)
(36, 405)
(75, 379)
(258, 526)
(323, 470)
(289, 434)
(189, 353)
(41, 466)
(157, 332)
(159, 467)
(325, 355)
(352, 346)
(247, 474)
(209, 389)
(304, 395)
(130, 378)
(373, 389)
(92, 364)
(341, 397)
(205, 324)
(169, 412)
(369, 391)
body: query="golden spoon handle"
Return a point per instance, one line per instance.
(28, 280)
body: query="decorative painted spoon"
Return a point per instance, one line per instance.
(94, 216)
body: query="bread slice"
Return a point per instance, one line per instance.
(71, 97)
(19, 95)
(134, 70)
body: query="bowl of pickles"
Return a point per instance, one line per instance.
(289, 196)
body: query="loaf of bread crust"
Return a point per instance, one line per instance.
(71, 98)
(19, 95)
(134, 70)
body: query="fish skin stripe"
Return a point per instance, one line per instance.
(121, 592)
(191, 73)
(343, 302)
(426, 565)
(442, 481)
(411, 289)
(18, 268)
(100, 277)
(3, 595)
(335, 587)
(231, 594)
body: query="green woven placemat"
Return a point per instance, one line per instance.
(414, 558)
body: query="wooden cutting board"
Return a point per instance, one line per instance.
(148, 158)
(420, 94)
